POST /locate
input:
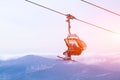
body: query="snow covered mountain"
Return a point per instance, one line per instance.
(39, 68)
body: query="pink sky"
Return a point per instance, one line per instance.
(26, 28)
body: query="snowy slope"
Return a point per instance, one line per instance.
(39, 68)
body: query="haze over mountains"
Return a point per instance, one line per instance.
(33, 67)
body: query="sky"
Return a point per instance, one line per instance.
(26, 28)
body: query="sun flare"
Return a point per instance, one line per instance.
(117, 36)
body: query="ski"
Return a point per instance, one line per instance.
(66, 59)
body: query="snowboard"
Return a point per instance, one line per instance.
(66, 59)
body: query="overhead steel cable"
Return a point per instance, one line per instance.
(46, 7)
(100, 7)
(70, 16)
(95, 25)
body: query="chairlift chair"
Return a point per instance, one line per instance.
(74, 44)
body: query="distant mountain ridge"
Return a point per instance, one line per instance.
(33, 67)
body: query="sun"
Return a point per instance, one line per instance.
(117, 36)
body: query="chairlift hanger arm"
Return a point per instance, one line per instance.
(100, 7)
(70, 17)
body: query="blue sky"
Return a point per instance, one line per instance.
(27, 28)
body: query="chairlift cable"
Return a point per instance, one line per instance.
(69, 16)
(100, 7)
(95, 26)
(46, 7)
